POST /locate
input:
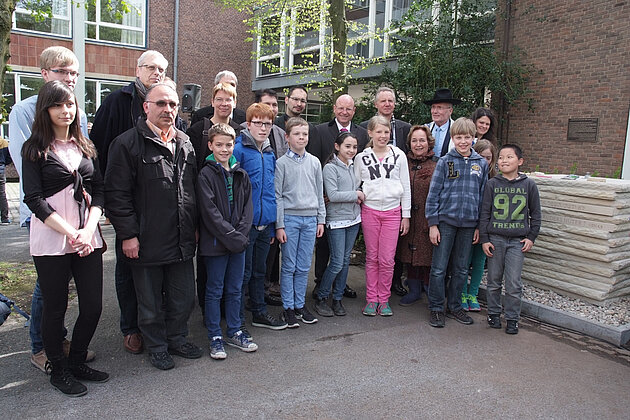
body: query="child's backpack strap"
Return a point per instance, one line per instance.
(206, 126)
(6, 306)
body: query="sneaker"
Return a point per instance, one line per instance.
(338, 308)
(473, 303)
(322, 308)
(370, 309)
(465, 302)
(384, 309)
(66, 350)
(62, 379)
(304, 314)
(494, 321)
(217, 351)
(161, 360)
(511, 327)
(39, 360)
(241, 342)
(5, 222)
(267, 321)
(82, 371)
(290, 319)
(246, 333)
(461, 316)
(187, 351)
(436, 319)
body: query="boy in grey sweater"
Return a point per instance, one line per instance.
(301, 217)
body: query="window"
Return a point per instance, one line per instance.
(270, 46)
(58, 24)
(93, 100)
(105, 22)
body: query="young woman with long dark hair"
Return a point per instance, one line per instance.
(63, 188)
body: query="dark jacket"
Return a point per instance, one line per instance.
(150, 194)
(118, 113)
(195, 133)
(223, 229)
(261, 168)
(49, 175)
(401, 131)
(321, 141)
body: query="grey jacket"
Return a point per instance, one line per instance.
(341, 185)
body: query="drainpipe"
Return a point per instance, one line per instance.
(78, 45)
(176, 40)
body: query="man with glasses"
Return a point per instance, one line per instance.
(238, 115)
(295, 105)
(150, 200)
(56, 63)
(441, 109)
(119, 112)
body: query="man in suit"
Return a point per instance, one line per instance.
(321, 144)
(385, 102)
(238, 115)
(295, 105)
(441, 109)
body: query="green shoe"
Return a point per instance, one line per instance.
(473, 304)
(384, 309)
(370, 309)
(465, 302)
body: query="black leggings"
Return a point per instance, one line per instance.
(54, 274)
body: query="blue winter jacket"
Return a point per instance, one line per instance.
(261, 168)
(456, 190)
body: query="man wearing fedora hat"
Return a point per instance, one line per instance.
(441, 109)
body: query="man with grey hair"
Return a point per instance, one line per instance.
(119, 112)
(385, 102)
(238, 115)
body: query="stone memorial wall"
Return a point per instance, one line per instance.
(583, 249)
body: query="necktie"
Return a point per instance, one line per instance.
(343, 130)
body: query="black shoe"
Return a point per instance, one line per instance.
(322, 308)
(267, 321)
(315, 293)
(273, 300)
(511, 327)
(161, 360)
(349, 292)
(187, 351)
(83, 372)
(338, 308)
(460, 316)
(398, 289)
(61, 378)
(290, 319)
(494, 321)
(437, 319)
(304, 314)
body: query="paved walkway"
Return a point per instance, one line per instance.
(341, 367)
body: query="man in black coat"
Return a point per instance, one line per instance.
(150, 199)
(385, 102)
(321, 144)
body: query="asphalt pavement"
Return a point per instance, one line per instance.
(341, 367)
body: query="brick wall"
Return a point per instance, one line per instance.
(583, 50)
(25, 49)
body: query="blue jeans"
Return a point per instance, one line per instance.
(455, 244)
(126, 292)
(297, 254)
(255, 271)
(341, 242)
(506, 262)
(225, 279)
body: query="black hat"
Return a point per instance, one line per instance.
(443, 95)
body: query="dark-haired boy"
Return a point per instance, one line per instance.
(509, 223)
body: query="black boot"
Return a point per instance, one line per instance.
(80, 370)
(397, 286)
(61, 378)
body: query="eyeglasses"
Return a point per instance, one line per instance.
(297, 99)
(162, 104)
(65, 72)
(261, 124)
(152, 68)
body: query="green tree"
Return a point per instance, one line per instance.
(449, 43)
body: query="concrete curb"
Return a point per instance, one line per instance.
(618, 336)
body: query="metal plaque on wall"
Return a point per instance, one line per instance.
(583, 129)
